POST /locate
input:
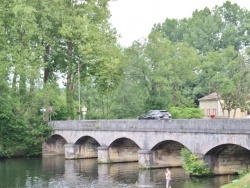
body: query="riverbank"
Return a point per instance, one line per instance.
(243, 182)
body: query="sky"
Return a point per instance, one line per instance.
(134, 19)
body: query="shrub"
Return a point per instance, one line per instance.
(242, 173)
(193, 165)
(186, 113)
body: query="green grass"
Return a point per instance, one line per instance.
(243, 182)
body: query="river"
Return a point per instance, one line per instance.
(56, 172)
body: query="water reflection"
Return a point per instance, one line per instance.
(56, 172)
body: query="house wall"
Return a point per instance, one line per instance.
(213, 107)
(238, 113)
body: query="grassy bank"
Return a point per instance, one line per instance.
(243, 182)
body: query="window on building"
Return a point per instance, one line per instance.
(214, 112)
(208, 112)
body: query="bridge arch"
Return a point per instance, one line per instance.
(123, 150)
(86, 147)
(167, 153)
(227, 158)
(54, 145)
(233, 141)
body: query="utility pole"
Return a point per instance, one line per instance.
(79, 92)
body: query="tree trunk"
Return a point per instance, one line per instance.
(46, 68)
(14, 80)
(234, 113)
(69, 85)
(22, 86)
(32, 85)
(228, 111)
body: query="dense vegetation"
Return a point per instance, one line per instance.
(193, 165)
(47, 42)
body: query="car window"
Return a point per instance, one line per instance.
(164, 113)
(149, 114)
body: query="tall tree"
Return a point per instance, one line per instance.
(85, 37)
(171, 66)
(229, 72)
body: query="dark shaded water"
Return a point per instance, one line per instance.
(55, 172)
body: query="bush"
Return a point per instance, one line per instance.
(186, 113)
(242, 173)
(193, 165)
(22, 130)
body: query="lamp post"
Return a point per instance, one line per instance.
(79, 91)
(84, 111)
(43, 110)
(50, 111)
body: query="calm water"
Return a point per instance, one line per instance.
(55, 172)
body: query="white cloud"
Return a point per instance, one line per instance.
(134, 19)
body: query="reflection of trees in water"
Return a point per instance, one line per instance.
(15, 171)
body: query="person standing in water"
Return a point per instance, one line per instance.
(168, 178)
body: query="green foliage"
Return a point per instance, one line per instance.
(21, 130)
(217, 35)
(193, 165)
(242, 173)
(186, 113)
(59, 108)
(228, 72)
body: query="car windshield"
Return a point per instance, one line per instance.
(157, 113)
(164, 112)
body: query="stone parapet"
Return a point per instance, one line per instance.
(177, 125)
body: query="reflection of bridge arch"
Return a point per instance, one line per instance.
(54, 145)
(123, 150)
(226, 158)
(167, 154)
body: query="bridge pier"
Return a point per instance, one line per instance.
(70, 151)
(145, 158)
(103, 154)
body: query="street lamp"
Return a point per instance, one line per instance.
(43, 110)
(84, 111)
(50, 112)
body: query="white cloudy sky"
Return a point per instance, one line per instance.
(134, 19)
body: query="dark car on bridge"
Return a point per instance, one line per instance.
(156, 114)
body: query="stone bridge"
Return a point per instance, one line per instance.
(224, 144)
